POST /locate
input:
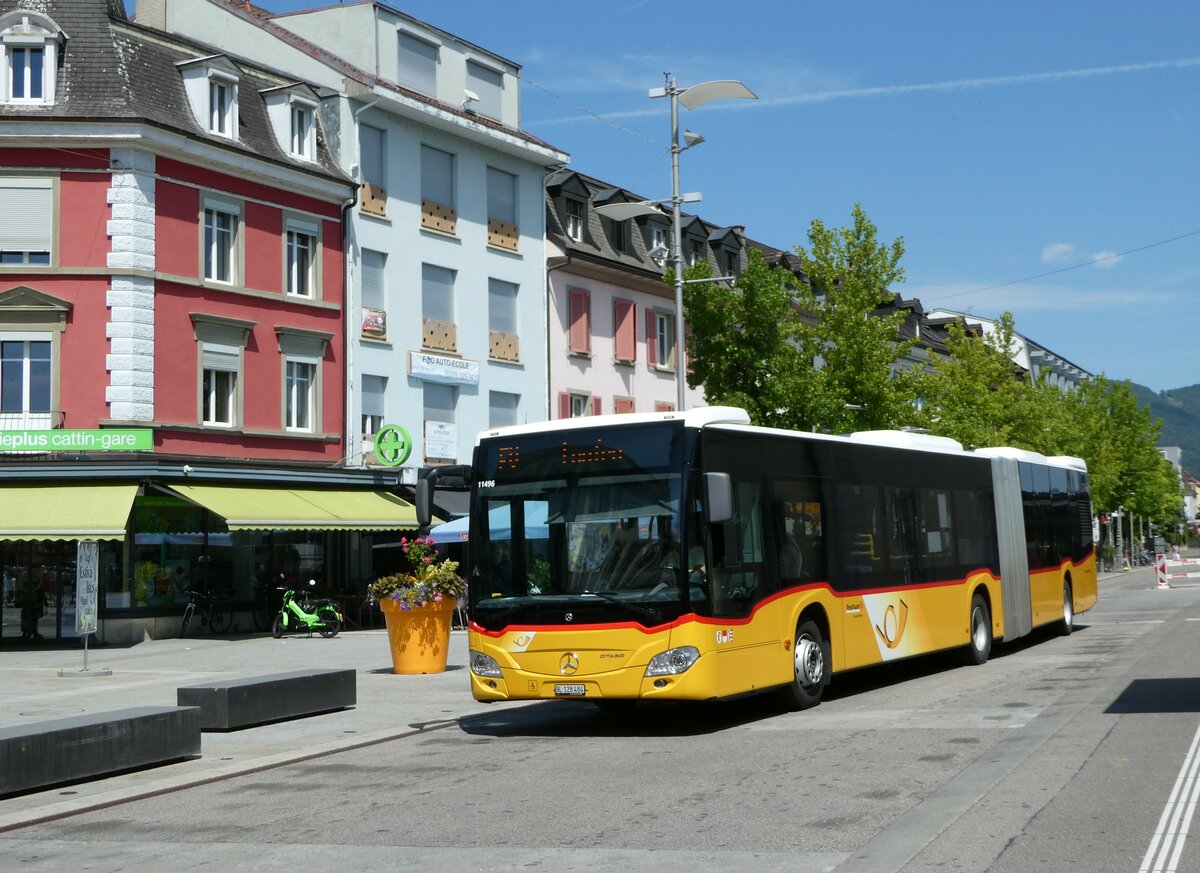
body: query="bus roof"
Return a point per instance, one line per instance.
(698, 417)
(735, 418)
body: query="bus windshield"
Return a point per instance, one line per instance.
(585, 522)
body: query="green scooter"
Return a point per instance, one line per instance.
(325, 618)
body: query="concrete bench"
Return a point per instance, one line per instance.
(40, 754)
(254, 700)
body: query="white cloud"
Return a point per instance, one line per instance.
(1057, 253)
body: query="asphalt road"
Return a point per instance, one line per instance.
(1060, 753)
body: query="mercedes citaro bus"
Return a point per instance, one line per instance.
(692, 556)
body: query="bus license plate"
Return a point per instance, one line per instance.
(570, 690)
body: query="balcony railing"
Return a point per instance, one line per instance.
(51, 420)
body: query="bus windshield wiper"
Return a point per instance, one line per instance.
(635, 608)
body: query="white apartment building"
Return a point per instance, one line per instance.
(446, 252)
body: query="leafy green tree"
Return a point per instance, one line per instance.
(806, 355)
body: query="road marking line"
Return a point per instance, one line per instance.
(1169, 836)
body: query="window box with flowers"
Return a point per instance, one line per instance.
(418, 606)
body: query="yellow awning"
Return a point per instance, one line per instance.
(65, 512)
(246, 507)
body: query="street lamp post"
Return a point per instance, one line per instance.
(690, 98)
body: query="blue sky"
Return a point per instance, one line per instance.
(1003, 141)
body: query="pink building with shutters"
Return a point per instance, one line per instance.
(612, 317)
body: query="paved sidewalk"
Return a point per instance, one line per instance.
(147, 674)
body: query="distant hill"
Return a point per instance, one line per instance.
(1179, 410)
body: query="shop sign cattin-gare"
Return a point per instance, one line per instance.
(103, 440)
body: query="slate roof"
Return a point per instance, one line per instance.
(113, 69)
(596, 245)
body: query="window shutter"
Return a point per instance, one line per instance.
(622, 404)
(564, 404)
(372, 278)
(215, 356)
(651, 338)
(595, 405)
(372, 394)
(580, 339)
(625, 330)
(27, 220)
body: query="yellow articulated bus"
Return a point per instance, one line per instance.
(692, 556)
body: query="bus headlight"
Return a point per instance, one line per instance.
(484, 665)
(672, 662)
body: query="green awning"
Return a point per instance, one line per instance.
(65, 512)
(246, 507)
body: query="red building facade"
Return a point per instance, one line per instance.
(171, 265)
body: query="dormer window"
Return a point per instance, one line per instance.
(293, 113)
(575, 220)
(211, 84)
(303, 131)
(29, 44)
(222, 96)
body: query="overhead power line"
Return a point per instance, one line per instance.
(1088, 263)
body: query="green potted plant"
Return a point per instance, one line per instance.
(418, 605)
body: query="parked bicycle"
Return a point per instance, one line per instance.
(216, 614)
(266, 606)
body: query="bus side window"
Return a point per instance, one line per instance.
(738, 577)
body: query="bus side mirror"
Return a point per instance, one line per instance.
(424, 503)
(718, 498)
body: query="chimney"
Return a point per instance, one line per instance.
(151, 13)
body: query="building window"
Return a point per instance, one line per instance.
(372, 151)
(502, 408)
(502, 209)
(618, 235)
(731, 263)
(220, 242)
(503, 342)
(437, 308)
(26, 73)
(575, 220)
(437, 190)
(441, 432)
(29, 46)
(222, 106)
(25, 381)
(26, 221)
(219, 384)
(373, 390)
(658, 248)
(301, 259)
(488, 85)
(580, 329)
(665, 338)
(304, 137)
(695, 253)
(577, 405)
(299, 386)
(374, 299)
(417, 64)
(625, 331)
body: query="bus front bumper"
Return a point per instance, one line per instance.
(628, 683)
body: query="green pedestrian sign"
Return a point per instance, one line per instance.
(393, 445)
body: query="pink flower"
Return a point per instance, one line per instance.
(428, 560)
(403, 541)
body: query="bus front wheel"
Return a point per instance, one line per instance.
(811, 664)
(981, 631)
(1068, 620)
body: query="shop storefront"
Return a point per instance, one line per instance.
(234, 533)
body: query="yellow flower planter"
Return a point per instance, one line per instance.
(419, 637)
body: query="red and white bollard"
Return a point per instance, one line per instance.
(1160, 565)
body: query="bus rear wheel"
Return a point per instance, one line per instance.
(980, 645)
(1068, 620)
(811, 661)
